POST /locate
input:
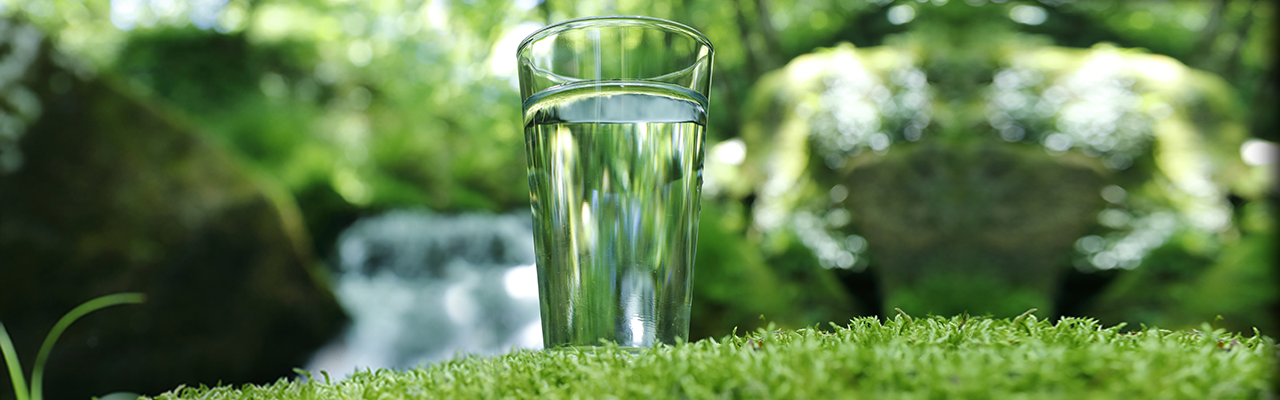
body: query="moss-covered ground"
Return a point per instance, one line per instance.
(901, 358)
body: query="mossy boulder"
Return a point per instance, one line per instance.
(976, 181)
(101, 193)
(980, 228)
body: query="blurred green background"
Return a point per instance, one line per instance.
(1110, 159)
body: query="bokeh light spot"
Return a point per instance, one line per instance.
(1113, 194)
(521, 282)
(502, 61)
(1257, 152)
(1030, 15)
(901, 14)
(360, 53)
(731, 152)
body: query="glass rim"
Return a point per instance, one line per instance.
(598, 20)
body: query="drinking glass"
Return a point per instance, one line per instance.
(615, 113)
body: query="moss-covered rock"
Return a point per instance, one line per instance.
(970, 168)
(964, 229)
(101, 193)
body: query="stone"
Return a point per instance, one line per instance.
(981, 181)
(102, 193)
(960, 229)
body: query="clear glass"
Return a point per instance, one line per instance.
(615, 113)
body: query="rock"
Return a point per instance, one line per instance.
(969, 229)
(974, 181)
(101, 193)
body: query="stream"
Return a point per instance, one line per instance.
(423, 287)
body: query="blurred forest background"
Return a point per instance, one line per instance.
(1102, 158)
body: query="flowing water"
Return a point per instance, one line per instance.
(423, 287)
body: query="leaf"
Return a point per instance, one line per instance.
(15, 369)
(37, 373)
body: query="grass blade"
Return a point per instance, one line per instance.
(15, 369)
(37, 373)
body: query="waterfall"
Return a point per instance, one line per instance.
(422, 287)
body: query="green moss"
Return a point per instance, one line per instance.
(953, 358)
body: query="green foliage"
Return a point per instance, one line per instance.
(954, 293)
(362, 106)
(1239, 286)
(1236, 285)
(912, 358)
(727, 266)
(736, 285)
(37, 372)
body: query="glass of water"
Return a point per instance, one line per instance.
(615, 113)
